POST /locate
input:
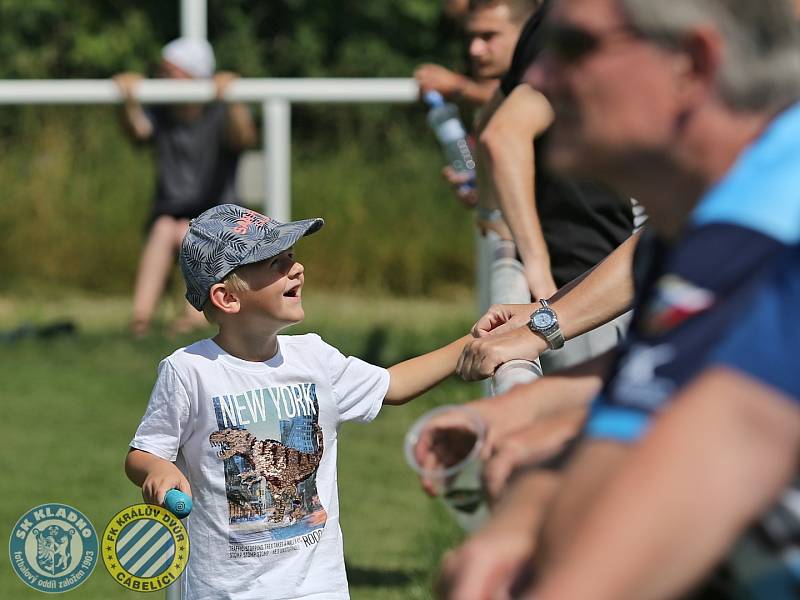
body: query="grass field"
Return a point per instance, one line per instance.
(72, 403)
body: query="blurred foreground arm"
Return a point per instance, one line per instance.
(488, 563)
(516, 409)
(712, 463)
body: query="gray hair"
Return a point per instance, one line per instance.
(761, 69)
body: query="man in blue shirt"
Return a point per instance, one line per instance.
(681, 106)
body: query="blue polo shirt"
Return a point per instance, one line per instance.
(690, 294)
(765, 344)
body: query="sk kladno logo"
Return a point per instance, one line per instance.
(145, 548)
(53, 548)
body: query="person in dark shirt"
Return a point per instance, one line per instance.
(562, 226)
(197, 150)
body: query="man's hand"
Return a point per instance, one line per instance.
(127, 83)
(481, 356)
(222, 80)
(467, 195)
(446, 434)
(435, 77)
(489, 565)
(486, 566)
(162, 477)
(531, 445)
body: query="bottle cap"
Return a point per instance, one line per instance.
(433, 98)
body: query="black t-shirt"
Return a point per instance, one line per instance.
(527, 48)
(582, 222)
(196, 170)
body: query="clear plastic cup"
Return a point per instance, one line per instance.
(454, 437)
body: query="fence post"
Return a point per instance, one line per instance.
(507, 285)
(193, 19)
(277, 159)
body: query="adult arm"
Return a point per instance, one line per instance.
(134, 119)
(516, 409)
(454, 85)
(713, 462)
(240, 131)
(598, 296)
(486, 565)
(507, 145)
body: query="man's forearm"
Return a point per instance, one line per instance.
(711, 464)
(507, 145)
(136, 121)
(479, 92)
(240, 130)
(600, 295)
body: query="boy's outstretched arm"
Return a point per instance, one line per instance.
(154, 475)
(415, 376)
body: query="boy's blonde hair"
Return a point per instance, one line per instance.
(232, 282)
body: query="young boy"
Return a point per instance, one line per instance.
(250, 418)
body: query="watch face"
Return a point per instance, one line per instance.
(542, 320)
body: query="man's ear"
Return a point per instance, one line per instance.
(225, 300)
(701, 61)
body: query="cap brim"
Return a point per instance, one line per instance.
(287, 236)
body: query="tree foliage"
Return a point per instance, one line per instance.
(285, 38)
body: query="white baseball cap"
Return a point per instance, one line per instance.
(193, 55)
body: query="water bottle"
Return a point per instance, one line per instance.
(446, 124)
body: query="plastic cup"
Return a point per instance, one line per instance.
(444, 448)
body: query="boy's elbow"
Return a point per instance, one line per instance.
(396, 399)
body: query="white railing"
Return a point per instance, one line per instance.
(505, 284)
(274, 95)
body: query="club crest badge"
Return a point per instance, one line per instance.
(53, 548)
(145, 548)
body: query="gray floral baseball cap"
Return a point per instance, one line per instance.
(228, 236)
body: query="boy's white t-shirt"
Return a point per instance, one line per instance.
(266, 418)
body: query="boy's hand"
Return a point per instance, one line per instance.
(163, 477)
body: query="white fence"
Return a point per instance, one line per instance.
(274, 95)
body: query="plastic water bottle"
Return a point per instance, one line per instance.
(446, 123)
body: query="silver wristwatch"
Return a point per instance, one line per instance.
(544, 321)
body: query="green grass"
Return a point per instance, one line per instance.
(71, 405)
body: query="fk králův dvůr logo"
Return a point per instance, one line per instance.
(145, 548)
(53, 548)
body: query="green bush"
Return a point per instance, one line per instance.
(77, 194)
